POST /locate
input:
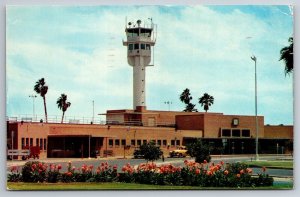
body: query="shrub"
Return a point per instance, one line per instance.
(53, 175)
(14, 175)
(199, 150)
(150, 151)
(34, 171)
(106, 173)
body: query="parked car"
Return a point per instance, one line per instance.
(181, 151)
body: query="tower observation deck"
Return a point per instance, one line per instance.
(140, 42)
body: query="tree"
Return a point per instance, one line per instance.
(287, 55)
(186, 98)
(63, 105)
(190, 108)
(199, 150)
(206, 100)
(41, 88)
(150, 151)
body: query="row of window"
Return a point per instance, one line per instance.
(133, 142)
(137, 46)
(235, 133)
(41, 142)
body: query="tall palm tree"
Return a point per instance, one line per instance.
(287, 55)
(63, 105)
(186, 96)
(41, 88)
(206, 100)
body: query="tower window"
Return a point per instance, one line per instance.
(143, 46)
(130, 47)
(136, 46)
(147, 46)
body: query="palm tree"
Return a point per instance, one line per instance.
(41, 88)
(63, 105)
(186, 96)
(190, 108)
(206, 100)
(287, 55)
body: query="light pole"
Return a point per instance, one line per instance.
(256, 121)
(93, 113)
(168, 103)
(33, 110)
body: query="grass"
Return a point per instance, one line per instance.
(125, 186)
(271, 164)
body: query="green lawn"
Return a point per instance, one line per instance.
(122, 186)
(271, 164)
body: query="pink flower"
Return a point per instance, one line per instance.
(238, 176)
(241, 171)
(197, 171)
(226, 172)
(58, 166)
(249, 170)
(205, 162)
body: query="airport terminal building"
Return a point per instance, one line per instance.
(125, 130)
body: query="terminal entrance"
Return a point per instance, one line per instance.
(73, 146)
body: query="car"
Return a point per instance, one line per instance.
(181, 151)
(137, 154)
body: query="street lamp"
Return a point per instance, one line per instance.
(256, 121)
(93, 113)
(168, 103)
(33, 111)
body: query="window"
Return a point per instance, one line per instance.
(110, 142)
(136, 46)
(153, 141)
(245, 133)
(236, 133)
(37, 142)
(144, 141)
(139, 142)
(147, 46)
(132, 142)
(31, 142)
(172, 142)
(123, 142)
(117, 142)
(226, 133)
(45, 144)
(27, 142)
(177, 142)
(143, 46)
(164, 142)
(23, 142)
(130, 47)
(41, 143)
(159, 142)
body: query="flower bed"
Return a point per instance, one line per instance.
(192, 174)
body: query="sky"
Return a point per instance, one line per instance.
(79, 52)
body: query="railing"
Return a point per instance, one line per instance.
(86, 120)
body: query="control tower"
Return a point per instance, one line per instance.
(140, 42)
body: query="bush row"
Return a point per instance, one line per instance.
(192, 174)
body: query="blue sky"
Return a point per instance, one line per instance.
(79, 52)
